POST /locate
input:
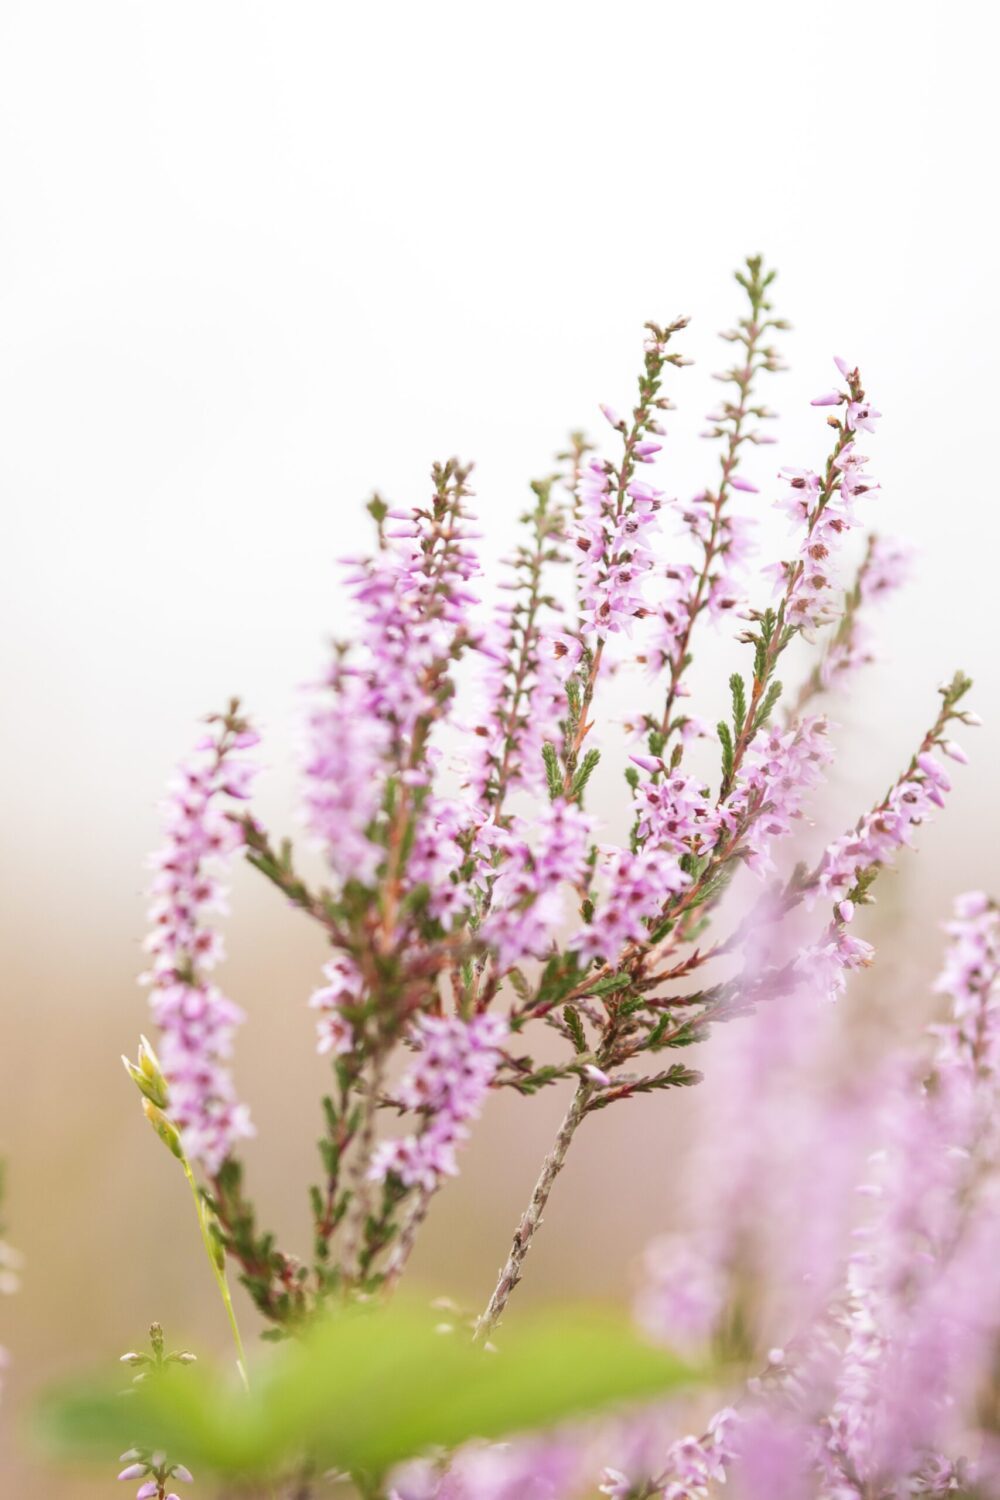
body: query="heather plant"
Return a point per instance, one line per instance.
(486, 931)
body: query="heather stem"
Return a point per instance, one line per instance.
(404, 1245)
(532, 1217)
(214, 1253)
(358, 1175)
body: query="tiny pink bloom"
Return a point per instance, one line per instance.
(743, 484)
(134, 1471)
(955, 752)
(845, 911)
(596, 1075)
(828, 398)
(609, 413)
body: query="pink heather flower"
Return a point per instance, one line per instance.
(771, 1457)
(861, 415)
(196, 1020)
(674, 813)
(344, 990)
(779, 771)
(529, 869)
(597, 1076)
(456, 1063)
(739, 483)
(412, 601)
(828, 398)
(636, 887)
(923, 1308)
(683, 1293)
(882, 833)
(611, 544)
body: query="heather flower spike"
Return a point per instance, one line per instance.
(470, 895)
(155, 1471)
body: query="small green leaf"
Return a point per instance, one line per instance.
(553, 775)
(738, 692)
(575, 1028)
(726, 741)
(368, 1389)
(584, 773)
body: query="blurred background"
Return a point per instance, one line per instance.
(259, 259)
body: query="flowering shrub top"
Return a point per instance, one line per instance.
(465, 910)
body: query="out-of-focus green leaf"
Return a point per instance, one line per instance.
(367, 1389)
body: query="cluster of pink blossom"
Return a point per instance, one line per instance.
(344, 991)
(889, 827)
(635, 888)
(455, 1066)
(613, 538)
(538, 864)
(921, 1313)
(895, 1361)
(884, 569)
(154, 1473)
(196, 1020)
(523, 691)
(824, 508)
(779, 771)
(372, 720)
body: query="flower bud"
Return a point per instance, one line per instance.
(165, 1130)
(828, 398)
(147, 1075)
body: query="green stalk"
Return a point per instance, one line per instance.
(215, 1255)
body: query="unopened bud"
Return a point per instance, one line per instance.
(147, 1075)
(165, 1130)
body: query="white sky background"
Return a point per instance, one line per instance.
(258, 259)
(261, 258)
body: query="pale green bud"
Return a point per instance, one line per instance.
(147, 1075)
(167, 1132)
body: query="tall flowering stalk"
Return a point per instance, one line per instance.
(471, 895)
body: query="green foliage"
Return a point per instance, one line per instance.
(575, 1028)
(767, 707)
(739, 702)
(676, 1077)
(726, 740)
(553, 775)
(366, 1390)
(583, 774)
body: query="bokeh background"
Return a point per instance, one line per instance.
(259, 259)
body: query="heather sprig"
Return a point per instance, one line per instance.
(158, 1107)
(155, 1471)
(721, 536)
